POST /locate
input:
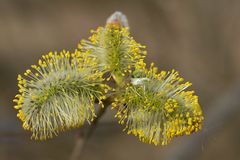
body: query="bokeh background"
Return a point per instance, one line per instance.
(199, 38)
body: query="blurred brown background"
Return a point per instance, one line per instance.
(199, 38)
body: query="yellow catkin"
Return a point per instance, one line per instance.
(59, 93)
(115, 50)
(158, 109)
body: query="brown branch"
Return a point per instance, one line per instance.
(83, 137)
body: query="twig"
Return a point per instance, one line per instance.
(83, 137)
(115, 18)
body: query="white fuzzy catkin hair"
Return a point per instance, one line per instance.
(118, 17)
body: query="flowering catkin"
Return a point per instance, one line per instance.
(156, 108)
(59, 93)
(115, 50)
